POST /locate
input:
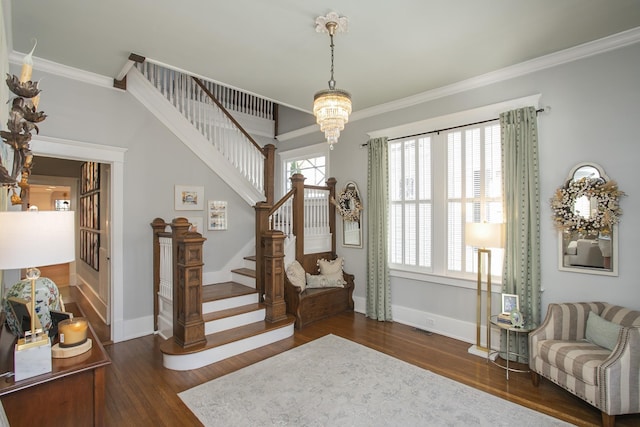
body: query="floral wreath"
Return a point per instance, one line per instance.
(606, 215)
(349, 204)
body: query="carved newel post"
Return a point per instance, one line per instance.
(188, 323)
(273, 247)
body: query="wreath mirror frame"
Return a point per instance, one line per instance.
(582, 253)
(351, 230)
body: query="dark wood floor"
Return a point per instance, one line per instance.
(141, 392)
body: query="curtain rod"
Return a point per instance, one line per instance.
(540, 110)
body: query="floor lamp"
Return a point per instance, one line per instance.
(482, 236)
(30, 239)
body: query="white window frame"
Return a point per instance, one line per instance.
(303, 153)
(437, 274)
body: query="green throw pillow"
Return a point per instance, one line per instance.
(602, 332)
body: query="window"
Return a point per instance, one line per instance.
(313, 170)
(311, 161)
(438, 183)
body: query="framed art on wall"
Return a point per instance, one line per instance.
(188, 198)
(217, 215)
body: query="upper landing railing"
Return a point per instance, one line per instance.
(206, 106)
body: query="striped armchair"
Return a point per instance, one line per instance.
(607, 379)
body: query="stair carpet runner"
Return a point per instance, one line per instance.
(234, 323)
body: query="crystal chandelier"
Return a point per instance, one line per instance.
(332, 106)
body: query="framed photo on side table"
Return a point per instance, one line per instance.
(189, 198)
(510, 302)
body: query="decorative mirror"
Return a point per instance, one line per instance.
(586, 212)
(350, 207)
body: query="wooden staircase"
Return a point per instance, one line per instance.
(234, 319)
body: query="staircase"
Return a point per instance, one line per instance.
(206, 323)
(234, 322)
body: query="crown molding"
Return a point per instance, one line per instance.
(64, 70)
(585, 50)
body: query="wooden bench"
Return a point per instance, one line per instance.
(318, 303)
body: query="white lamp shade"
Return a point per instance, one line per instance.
(484, 234)
(36, 238)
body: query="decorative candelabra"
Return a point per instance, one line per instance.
(22, 121)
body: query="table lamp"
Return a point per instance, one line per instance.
(29, 239)
(483, 235)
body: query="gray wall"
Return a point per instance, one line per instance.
(595, 106)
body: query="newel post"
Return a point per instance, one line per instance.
(188, 323)
(331, 183)
(269, 152)
(273, 243)
(262, 226)
(297, 183)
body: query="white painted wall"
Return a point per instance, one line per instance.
(595, 106)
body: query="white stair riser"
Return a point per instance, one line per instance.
(250, 264)
(220, 325)
(243, 280)
(197, 360)
(224, 304)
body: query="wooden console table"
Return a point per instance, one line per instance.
(73, 393)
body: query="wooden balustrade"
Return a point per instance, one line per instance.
(297, 214)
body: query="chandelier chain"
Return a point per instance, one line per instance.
(332, 82)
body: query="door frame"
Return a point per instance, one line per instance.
(114, 156)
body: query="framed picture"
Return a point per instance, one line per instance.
(217, 215)
(196, 224)
(189, 198)
(510, 303)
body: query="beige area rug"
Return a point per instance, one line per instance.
(335, 382)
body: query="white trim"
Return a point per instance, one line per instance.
(64, 71)
(458, 282)
(75, 150)
(585, 50)
(185, 362)
(486, 112)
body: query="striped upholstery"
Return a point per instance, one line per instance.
(608, 380)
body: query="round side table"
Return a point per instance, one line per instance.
(524, 329)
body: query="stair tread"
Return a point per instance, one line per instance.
(245, 272)
(221, 314)
(225, 337)
(224, 290)
(250, 258)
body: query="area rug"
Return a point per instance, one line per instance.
(335, 382)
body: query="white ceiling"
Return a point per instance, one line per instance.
(393, 49)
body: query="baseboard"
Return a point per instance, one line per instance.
(93, 299)
(453, 328)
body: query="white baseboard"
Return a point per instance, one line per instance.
(453, 328)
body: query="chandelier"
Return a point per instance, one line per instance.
(332, 106)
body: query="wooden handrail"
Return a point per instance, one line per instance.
(282, 201)
(229, 116)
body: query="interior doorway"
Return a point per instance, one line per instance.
(60, 184)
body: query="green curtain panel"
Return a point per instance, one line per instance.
(378, 284)
(521, 276)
